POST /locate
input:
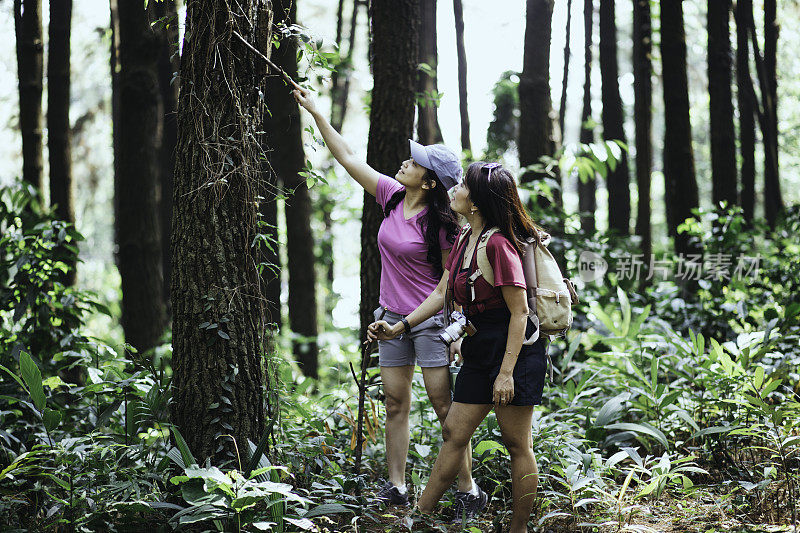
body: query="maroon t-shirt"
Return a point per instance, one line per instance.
(507, 268)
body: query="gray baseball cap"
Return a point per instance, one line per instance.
(439, 158)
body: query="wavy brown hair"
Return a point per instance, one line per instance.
(498, 201)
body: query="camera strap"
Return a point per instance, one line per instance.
(472, 274)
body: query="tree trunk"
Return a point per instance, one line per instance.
(679, 178)
(284, 130)
(618, 181)
(773, 201)
(643, 118)
(747, 124)
(137, 225)
(536, 111)
(165, 17)
(723, 138)
(458, 10)
(587, 200)
(30, 57)
(218, 311)
(341, 88)
(59, 135)
(562, 108)
(395, 49)
(428, 130)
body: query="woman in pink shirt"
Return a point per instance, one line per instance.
(414, 242)
(498, 370)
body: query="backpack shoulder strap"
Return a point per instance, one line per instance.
(484, 266)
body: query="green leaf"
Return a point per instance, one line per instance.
(326, 509)
(758, 378)
(16, 378)
(611, 409)
(487, 446)
(186, 454)
(51, 418)
(642, 429)
(33, 378)
(53, 382)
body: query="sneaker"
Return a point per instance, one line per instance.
(469, 505)
(391, 495)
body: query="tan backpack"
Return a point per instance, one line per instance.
(550, 295)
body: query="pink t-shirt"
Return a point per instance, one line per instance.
(407, 278)
(506, 266)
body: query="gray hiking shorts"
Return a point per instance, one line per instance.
(422, 345)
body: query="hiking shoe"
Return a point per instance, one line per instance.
(468, 505)
(391, 495)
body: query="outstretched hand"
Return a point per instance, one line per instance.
(303, 97)
(380, 330)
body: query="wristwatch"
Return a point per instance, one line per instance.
(406, 325)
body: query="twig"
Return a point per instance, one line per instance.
(288, 79)
(366, 349)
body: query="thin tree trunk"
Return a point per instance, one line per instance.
(643, 118)
(165, 16)
(30, 58)
(341, 88)
(773, 201)
(59, 135)
(137, 225)
(618, 181)
(218, 312)
(284, 130)
(587, 199)
(679, 176)
(395, 49)
(428, 130)
(562, 108)
(536, 112)
(458, 10)
(723, 138)
(747, 125)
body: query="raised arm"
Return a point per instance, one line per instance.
(365, 175)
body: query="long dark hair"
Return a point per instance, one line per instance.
(439, 215)
(498, 201)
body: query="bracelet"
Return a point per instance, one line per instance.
(406, 325)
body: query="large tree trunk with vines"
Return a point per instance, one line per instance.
(284, 133)
(587, 198)
(536, 111)
(680, 182)
(138, 170)
(217, 306)
(30, 57)
(458, 11)
(428, 130)
(395, 50)
(643, 118)
(59, 133)
(165, 16)
(745, 100)
(618, 180)
(723, 139)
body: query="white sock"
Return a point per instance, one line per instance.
(474, 490)
(401, 488)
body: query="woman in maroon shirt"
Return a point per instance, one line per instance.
(498, 371)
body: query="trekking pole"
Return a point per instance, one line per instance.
(366, 350)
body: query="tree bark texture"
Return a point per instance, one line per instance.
(165, 17)
(745, 101)
(428, 130)
(618, 180)
(773, 200)
(30, 58)
(59, 133)
(643, 119)
(587, 199)
(458, 11)
(395, 49)
(284, 131)
(723, 138)
(218, 310)
(562, 108)
(536, 111)
(679, 177)
(136, 220)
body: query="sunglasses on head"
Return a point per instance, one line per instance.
(491, 166)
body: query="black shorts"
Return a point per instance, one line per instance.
(483, 355)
